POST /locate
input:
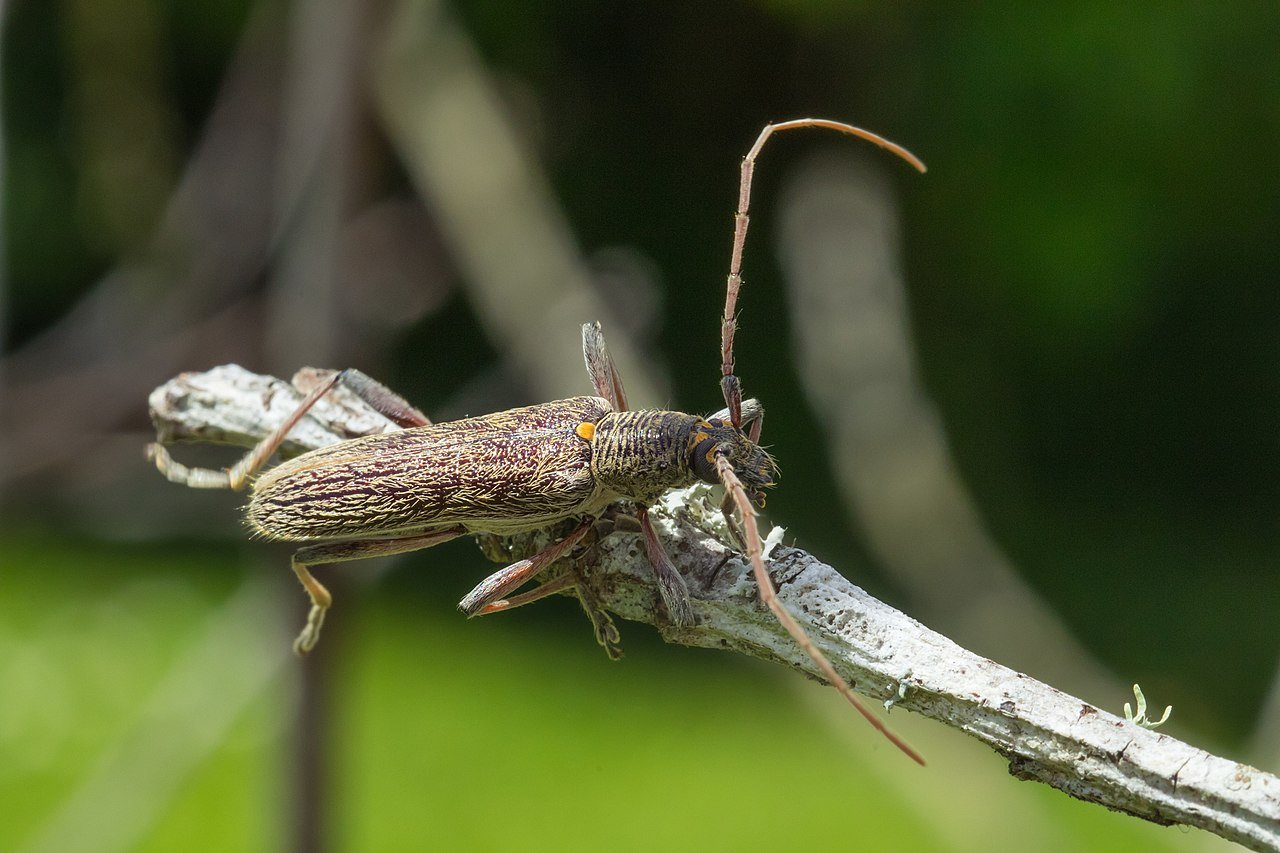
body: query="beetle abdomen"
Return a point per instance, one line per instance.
(503, 472)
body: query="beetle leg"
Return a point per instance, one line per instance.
(671, 585)
(383, 400)
(727, 507)
(752, 410)
(236, 476)
(498, 584)
(601, 622)
(380, 398)
(353, 549)
(604, 373)
(568, 580)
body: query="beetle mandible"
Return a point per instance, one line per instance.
(522, 470)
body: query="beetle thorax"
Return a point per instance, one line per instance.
(641, 455)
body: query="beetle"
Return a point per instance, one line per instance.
(521, 470)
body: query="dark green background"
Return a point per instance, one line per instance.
(1091, 265)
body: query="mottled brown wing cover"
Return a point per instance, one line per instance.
(503, 472)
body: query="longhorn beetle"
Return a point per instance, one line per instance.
(522, 470)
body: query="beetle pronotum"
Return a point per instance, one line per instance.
(521, 470)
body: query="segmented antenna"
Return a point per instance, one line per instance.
(729, 383)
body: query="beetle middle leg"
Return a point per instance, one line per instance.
(608, 384)
(601, 622)
(671, 585)
(339, 552)
(495, 587)
(574, 577)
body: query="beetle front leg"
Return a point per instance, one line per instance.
(338, 552)
(671, 585)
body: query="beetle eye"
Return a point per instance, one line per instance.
(702, 458)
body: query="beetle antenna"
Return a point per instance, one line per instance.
(733, 486)
(729, 383)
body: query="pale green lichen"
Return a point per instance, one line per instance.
(1141, 717)
(893, 698)
(772, 540)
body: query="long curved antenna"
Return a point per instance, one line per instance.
(729, 383)
(733, 486)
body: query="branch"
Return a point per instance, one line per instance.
(1047, 735)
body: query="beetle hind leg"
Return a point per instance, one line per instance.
(321, 601)
(339, 552)
(383, 400)
(238, 475)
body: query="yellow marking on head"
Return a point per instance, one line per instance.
(586, 430)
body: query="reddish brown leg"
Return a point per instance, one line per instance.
(752, 409)
(378, 396)
(608, 384)
(560, 583)
(383, 400)
(495, 587)
(237, 475)
(604, 374)
(601, 622)
(671, 585)
(338, 552)
(770, 598)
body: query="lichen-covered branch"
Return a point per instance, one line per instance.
(1047, 735)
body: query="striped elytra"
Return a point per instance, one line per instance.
(500, 473)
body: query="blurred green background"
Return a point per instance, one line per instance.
(1030, 398)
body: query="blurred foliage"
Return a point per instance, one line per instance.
(1092, 263)
(538, 742)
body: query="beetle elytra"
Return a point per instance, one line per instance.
(521, 470)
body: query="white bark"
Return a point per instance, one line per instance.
(1047, 735)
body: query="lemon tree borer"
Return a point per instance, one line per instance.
(520, 470)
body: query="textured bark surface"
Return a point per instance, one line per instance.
(1046, 734)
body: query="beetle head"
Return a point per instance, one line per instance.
(717, 437)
